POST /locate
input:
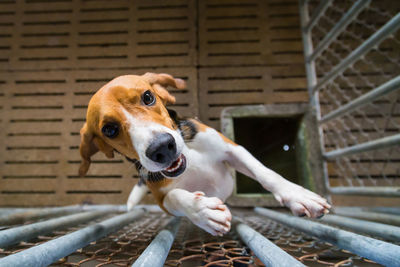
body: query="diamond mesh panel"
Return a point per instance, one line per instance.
(378, 119)
(194, 247)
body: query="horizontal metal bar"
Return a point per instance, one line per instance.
(389, 28)
(384, 210)
(117, 208)
(49, 252)
(9, 211)
(379, 251)
(156, 253)
(384, 142)
(377, 191)
(269, 253)
(347, 18)
(35, 214)
(26, 232)
(382, 90)
(317, 13)
(111, 208)
(369, 216)
(43, 212)
(381, 230)
(389, 210)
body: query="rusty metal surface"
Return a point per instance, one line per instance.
(194, 247)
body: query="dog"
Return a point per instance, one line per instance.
(184, 163)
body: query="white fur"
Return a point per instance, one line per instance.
(209, 213)
(142, 132)
(199, 192)
(136, 195)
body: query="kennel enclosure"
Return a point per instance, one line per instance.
(338, 58)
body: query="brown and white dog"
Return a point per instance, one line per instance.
(186, 164)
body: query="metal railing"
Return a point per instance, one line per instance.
(101, 235)
(379, 251)
(352, 59)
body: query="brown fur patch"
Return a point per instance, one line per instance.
(124, 92)
(106, 106)
(155, 189)
(202, 128)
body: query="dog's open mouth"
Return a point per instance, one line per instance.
(176, 168)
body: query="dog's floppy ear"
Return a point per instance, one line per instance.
(90, 145)
(161, 81)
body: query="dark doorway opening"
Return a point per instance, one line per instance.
(272, 140)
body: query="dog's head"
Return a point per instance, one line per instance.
(128, 115)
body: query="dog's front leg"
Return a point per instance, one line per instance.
(137, 194)
(300, 200)
(208, 213)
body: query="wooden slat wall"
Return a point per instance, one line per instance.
(95, 34)
(43, 114)
(55, 54)
(250, 53)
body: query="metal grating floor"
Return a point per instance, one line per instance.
(194, 247)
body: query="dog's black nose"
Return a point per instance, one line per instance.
(162, 149)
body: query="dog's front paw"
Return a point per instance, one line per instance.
(302, 201)
(210, 214)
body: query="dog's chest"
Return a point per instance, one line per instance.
(206, 170)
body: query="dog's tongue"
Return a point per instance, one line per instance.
(175, 165)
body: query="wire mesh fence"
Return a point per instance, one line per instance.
(194, 247)
(372, 121)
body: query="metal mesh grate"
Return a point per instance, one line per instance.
(372, 121)
(194, 247)
(120, 248)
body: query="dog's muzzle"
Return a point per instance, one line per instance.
(162, 150)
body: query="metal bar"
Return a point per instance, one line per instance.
(389, 210)
(9, 211)
(49, 252)
(269, 253)
(318, 12)
(369, 216)
(23, 233)
(156, 253)
(381, 191)
(384, 231)
(35, 214)
(389, 28)
(110, 208)
(10, 216)
(363, 147)
(373, 249)
(382, 90)
(347, 18)
(311, 75)
(384, 210)
(308, 48)
(117, 208)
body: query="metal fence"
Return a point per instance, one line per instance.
(352, 52)
(102, 236)
(352, 62)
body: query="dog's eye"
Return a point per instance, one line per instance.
(110, 130)
(148, 98)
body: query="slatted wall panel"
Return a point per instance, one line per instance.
(243, 32)
(55, 54)
(250, 53)
(7, 16)
(3, 82)
(97, 34)
(44, 112)
(164, 33)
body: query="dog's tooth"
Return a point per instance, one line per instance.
(179, 163)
